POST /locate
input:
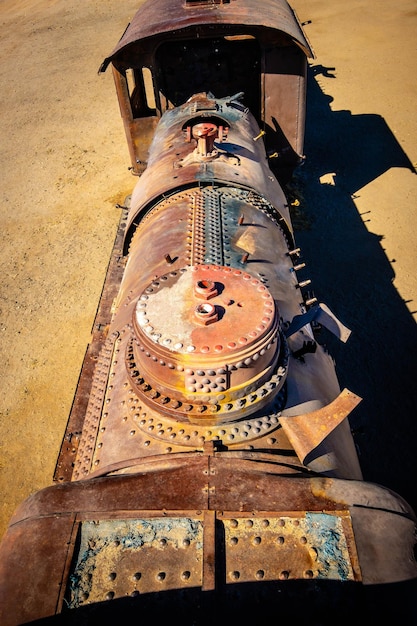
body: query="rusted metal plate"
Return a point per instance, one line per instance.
(119, 558)
(162, 16)
(249, 530)
(33, 565)
(69, 447)
(288, 547)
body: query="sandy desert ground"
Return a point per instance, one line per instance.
(64, 167)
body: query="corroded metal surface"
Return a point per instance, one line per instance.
(243, 46)
(162, 16)
(208, 468)
(215, 363)
(119, 558)
(244, 165)
(196, 350)
(98, 541)
(86, 383)
(283, 547)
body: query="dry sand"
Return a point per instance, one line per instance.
(64, 167)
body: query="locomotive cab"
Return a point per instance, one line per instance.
(219, 47)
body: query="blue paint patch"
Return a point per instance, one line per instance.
(123, 535)
(326, 536)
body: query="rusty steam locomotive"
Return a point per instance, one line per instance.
(208, 469)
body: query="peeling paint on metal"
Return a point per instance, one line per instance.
(118, 549)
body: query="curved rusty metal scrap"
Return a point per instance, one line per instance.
(307, 431)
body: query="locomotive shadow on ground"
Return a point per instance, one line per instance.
(251, 603)
(352, 275)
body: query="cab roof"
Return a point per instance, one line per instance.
(158, 17)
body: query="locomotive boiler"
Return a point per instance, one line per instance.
(208, 471)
